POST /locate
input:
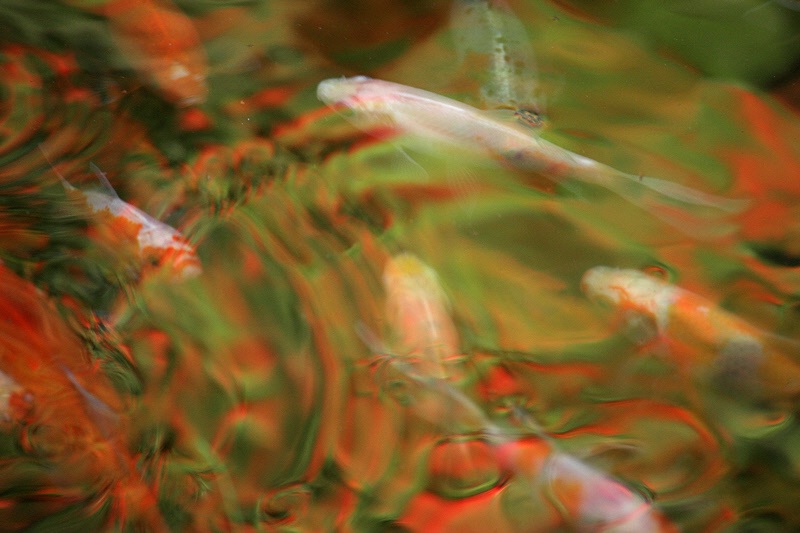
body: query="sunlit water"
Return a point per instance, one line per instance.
(293, 385)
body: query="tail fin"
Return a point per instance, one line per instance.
(696, 213)
(67, 185)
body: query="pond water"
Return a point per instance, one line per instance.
(228, 306)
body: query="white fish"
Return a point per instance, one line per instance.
(436, 121)
(597, 502)
(589, 499)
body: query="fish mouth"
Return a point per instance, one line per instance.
(338, 91)
(595, 284)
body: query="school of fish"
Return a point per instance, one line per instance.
(54, 386)
(589, 499)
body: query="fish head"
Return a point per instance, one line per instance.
(347, 92)
(616, 287)
(369, 100)
(605, 285)
(642, 303)
(406, 266)
(407, 278)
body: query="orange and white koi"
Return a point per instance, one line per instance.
(734, 350)
(155, 240)
(161, 43)
(438, 121)
(418, 310)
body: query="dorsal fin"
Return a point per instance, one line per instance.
(108, 189)
(67, 185)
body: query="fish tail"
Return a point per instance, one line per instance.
(687, 195)
(689, 210)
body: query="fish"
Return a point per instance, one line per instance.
(71, 423)
(155, 241)
(737, 356)
(492, 42)
(587, 499)
(418, 311)
(434, 121)
(161, 43)
(594, 501)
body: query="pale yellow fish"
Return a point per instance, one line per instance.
(418, 311)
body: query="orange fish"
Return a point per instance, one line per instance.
(154, 240)
(65, 416)
(161, 43)
(739, 356)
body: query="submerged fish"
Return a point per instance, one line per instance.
(161, 43)
(586, 499)
(438, 121)
(417, 309)
(491, 41)
(594, 501)
(155, 241)
(741, 357)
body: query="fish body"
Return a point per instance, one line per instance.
(594, 501)
(161, 43)
(734, 350)
(495, 41)
(436, 121)
(418, 310)
(154, 240)
(433, 117)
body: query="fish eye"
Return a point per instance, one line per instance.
(529, 117)
(659, 272)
